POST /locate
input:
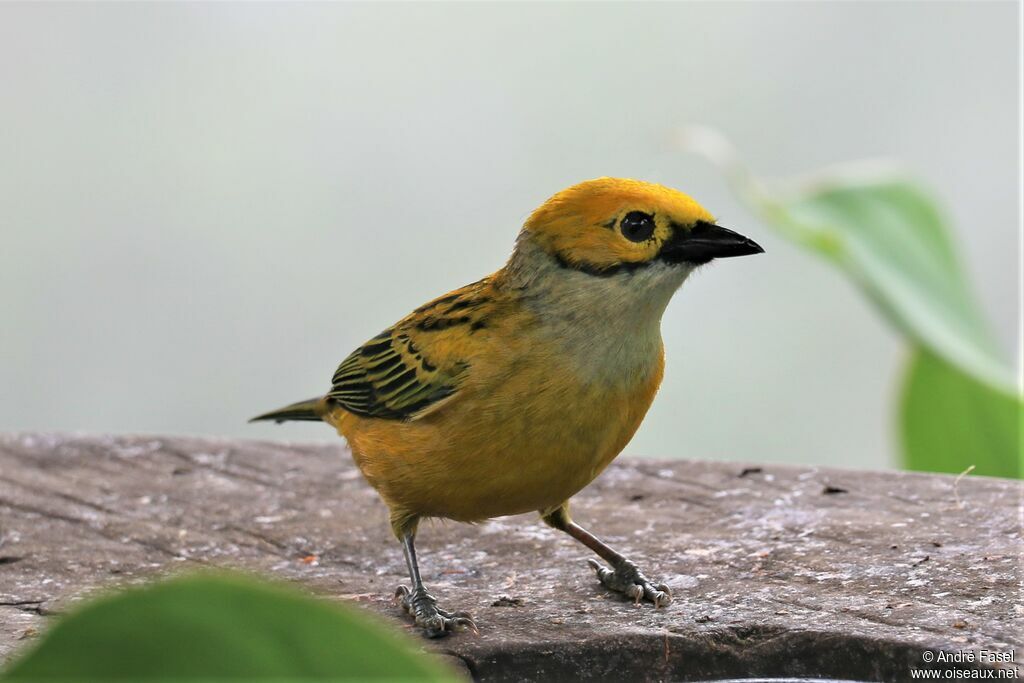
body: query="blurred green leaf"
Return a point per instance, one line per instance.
(890, 239)
(961, 405)
(220, 627)
(951, 421)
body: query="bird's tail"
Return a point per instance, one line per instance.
(312, 410)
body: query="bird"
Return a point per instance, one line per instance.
(513, 393)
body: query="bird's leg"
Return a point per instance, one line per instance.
(421, 605)
(624, 576)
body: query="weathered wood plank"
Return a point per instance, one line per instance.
(775, 572)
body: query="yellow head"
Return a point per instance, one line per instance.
(608, 225)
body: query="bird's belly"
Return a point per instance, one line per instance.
(539, 461)
(529, 446)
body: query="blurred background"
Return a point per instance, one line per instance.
(205, 207)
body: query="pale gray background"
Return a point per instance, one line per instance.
(205, 207)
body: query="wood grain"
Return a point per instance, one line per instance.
(776, 570)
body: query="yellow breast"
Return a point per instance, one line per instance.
(527, 442)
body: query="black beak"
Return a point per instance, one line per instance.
(706, 241)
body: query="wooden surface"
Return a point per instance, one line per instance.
(776, 570)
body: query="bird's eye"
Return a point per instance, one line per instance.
(637, 226)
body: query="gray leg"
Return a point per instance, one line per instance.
(421, 605)
(624, 576)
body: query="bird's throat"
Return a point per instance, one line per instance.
(607, 328)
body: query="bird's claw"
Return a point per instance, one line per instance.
(434, 621)
(626, 578)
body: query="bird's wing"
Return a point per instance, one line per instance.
(416, 366)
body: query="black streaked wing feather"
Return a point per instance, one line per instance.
(393, 376)
(385, 380)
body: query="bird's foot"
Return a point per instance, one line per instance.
(626, 578)
(435, 622)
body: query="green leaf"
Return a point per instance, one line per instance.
(214, 627)
(961, 405)
(950, 421)
(890, 239)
